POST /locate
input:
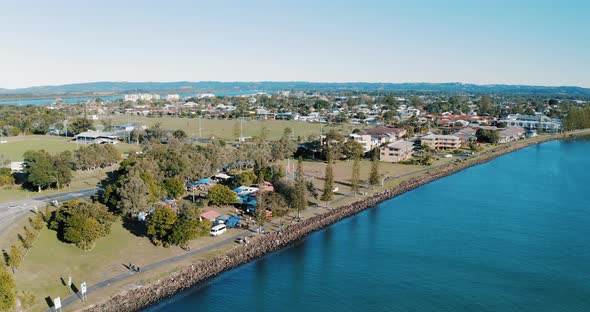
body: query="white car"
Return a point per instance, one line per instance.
(218, 230)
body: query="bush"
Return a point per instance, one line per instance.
(81, 222)
(221, 195)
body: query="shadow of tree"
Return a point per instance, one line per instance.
(136, 228)
(6, 256)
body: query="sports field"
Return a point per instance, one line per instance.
(224, 129)
(15, 147)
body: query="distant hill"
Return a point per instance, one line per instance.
(209, 86)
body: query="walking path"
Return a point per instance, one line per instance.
(73, 298)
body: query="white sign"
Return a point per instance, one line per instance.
(83, 288)
(70, 281)
(57, 303)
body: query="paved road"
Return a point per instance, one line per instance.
(12, 211)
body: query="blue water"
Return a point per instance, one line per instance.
(75, 100)
(509, 235)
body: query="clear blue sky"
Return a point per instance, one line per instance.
(518, 42)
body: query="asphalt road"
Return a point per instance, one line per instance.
(12, 211)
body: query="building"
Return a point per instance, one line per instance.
(365, 140)
(532, 122)
(384, 134)
(97, 137)
(172, 97)
(512, 133)
(396, 151)
(440, 141)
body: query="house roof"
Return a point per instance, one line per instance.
(401, 144)
(382, 130)
(210, 215)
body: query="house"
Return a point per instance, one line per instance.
(533, 122)
(440, 141)
(364, 140)
(385, 134)
(396, 151)
(512, 133)
(97, 137)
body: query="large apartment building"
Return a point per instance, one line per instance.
(441, 142)
(533, 122)
(396, 151)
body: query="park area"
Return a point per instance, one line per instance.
(51, 260)
(224, 128)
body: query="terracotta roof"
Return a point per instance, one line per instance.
(210, 215)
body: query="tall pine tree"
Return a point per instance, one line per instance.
(260, 214)
(355, 179)
(300, 188)
(328, 193)
(375, 176)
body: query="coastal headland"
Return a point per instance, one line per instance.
(143, 296)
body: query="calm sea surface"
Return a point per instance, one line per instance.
(509, 235)
(111, 98)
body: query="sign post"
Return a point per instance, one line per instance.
(70, 283)
(57, 304)
(83, 291)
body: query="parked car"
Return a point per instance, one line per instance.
(218, 230)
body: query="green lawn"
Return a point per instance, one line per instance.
(224, 129)
(17, 146)
(50, 260)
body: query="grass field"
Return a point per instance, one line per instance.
(16, 146)
(50, 260)
(224, 129)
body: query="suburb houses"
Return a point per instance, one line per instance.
(375, 137)
(441, 142)
(396, 151)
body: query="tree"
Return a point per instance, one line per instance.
(221, 195)
(107, 124)
(7, 290)
(485, 105)
(174, 187)
(160, 225)
(375, 176)
(15, 257)
(237, 130)
(487, 136)
(134, 194)
(300, 199)
(179, 134)
(81, 222)
(355, 177)
(328, 193)
(183, 231)
(260, 213)
(43, 170)
(352, 149)
(80, 125)
(38, 168)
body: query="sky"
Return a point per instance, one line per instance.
(533, 42)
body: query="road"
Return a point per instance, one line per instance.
(10, 212)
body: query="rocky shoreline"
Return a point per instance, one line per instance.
(142, 297)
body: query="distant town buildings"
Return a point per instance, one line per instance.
(143, 97)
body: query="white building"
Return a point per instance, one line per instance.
(172, 97)
(532, 122)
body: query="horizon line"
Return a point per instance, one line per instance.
(298, 81)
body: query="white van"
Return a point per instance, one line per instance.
(218, 229)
